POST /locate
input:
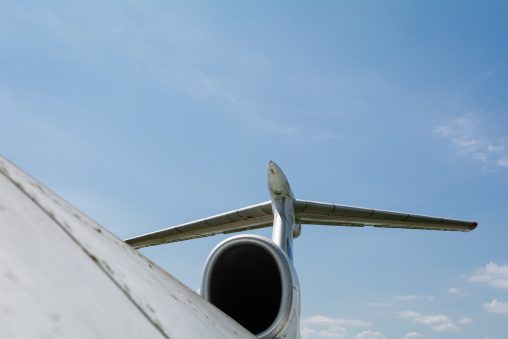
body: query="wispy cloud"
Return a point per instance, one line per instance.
(496, 307)
(469, 139)
(413, 335)
(502, 162)
(457, 292)
(324, 137)
(319, 327)
(439, 322)
(369, 335)
(250, 112)
(465, 321)
(322, 320)
(291, 130)
(414, 297)
(492, 274)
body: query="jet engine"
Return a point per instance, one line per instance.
(253, 281)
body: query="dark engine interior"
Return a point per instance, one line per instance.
(246, 284)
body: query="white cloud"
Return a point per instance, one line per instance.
(502, 162)
(369, 335)
(321, 327)
(445, 327)
(456, 291)
(496, 307)
(439, 323)
(465, 321)
(467, 137)
(322, 320)
(413, 335)
(414, 297)
(312, 333)
(492, 274)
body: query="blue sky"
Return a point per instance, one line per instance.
(149, 114)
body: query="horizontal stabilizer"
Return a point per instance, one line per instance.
(306, 212)
(247, 218)
(310, 212)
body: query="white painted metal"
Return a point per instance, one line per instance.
(49, 288)
(303, 212)
(64, 276)
(283, 209)
(247, 218)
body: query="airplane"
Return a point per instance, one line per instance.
(252, 278)
(62, 275)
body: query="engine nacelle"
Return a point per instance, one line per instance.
(253, 281)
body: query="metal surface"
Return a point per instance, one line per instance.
(310, 212)
(282, 208)
(247, 218)
(64, 276)
(289, 214)
(286, 322)
(286, 214)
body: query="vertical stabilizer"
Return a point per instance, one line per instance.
(283, 209)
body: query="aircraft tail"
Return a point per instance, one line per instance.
(305, 212)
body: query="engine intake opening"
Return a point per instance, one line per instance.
(246, 284)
